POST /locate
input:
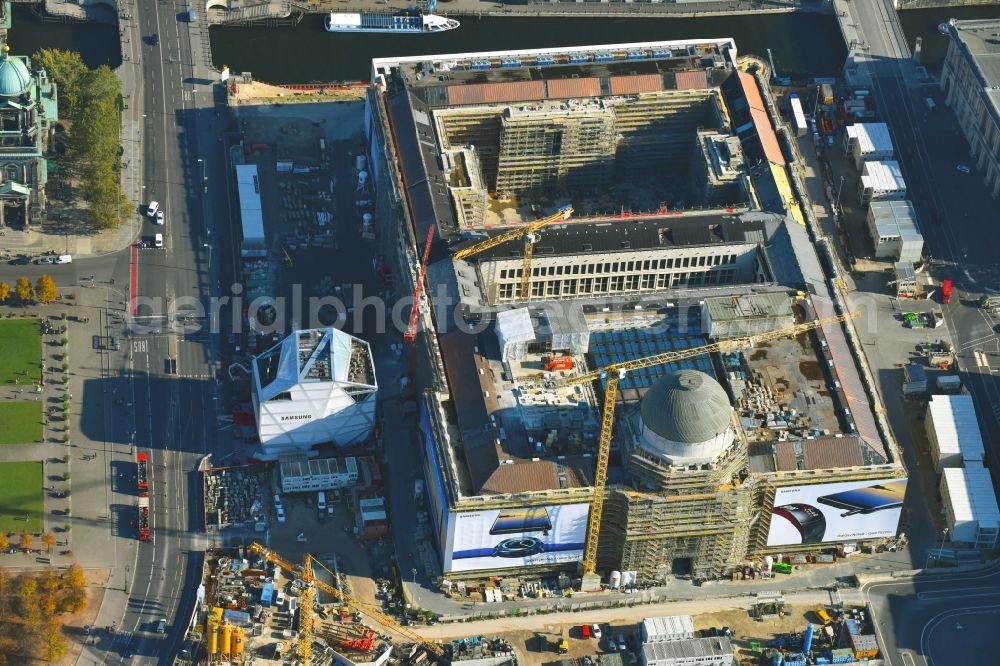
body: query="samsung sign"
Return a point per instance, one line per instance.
(296, 417)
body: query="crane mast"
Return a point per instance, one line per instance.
(530, 238)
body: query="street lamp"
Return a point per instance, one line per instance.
(944, 533)
(840, 188)
(204, 178)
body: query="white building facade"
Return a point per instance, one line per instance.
(970, 79)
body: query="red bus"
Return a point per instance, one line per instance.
(142, 474)
(946, 287)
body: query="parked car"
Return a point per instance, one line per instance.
(20, 260)
(45, 260)
(161, 626)
(280, 513)
(963, 168)
(620, 642)
(596, 631)
(158, 241)
(152, 208)
(64, 259)
(160, 217)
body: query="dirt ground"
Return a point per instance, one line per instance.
(746, 629)
(74, 623)
(263, 93)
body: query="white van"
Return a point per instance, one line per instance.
(64, 259)
(158, 241)
(321, 503)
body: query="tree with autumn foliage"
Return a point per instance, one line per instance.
(30, 609)
(45, 289)
(4, 292)
(26, 540)
(4, 541)
(49, 539)
(23, 290)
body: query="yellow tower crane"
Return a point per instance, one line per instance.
(305, 572)
(530, 237)
(614, 373)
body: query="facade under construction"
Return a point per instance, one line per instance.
(682, 232)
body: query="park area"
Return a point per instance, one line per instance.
(21, 352)
(21, 497)
(20, 372)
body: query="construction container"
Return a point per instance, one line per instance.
(213, 636)
(237, 645)
(227, 639)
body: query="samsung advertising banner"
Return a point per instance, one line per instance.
(507, 538)
(836, 512)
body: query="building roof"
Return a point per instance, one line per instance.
(692, 648)
(667, 628)
(513, 326)
(692, 80)
(639, 83)
(883, 176)
(895, 219)
(251, 212)
(638, 232)
(751, 119)
(14, 75)
(749, 306)
(820, 453)
(955, 426)
(971, 494)
(871, 137)
(686, 406)
(310, 356)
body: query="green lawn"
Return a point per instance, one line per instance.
(22, 422)
(21, 497)
(20, 351)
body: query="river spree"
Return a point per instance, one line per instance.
(800, 43)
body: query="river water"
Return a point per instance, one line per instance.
(800, 43)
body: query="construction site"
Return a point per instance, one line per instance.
(650, 372)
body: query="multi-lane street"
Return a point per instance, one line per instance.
(938, 620)
(170, 370)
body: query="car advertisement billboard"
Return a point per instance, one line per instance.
(507, 538)
(836, 512)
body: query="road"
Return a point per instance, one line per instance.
(936, 620)
(175, 408)
(920, 621)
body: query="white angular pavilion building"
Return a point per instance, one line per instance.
(315, 386)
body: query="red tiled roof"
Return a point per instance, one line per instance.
(761, 119)
(693, 80)
(488, 93)
(566, 88)
(630, 85)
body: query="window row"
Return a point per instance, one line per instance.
(619, 284)
(622, 266)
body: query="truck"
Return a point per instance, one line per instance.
(145, 532)
(798, 116)
(142, 474)
(946, 288)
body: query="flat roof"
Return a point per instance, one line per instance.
(971, 494)
(749, 306)
(251, 214)
(883, 176)
(633, 232)
(955, 425)
(691, 648)
(871, 137)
